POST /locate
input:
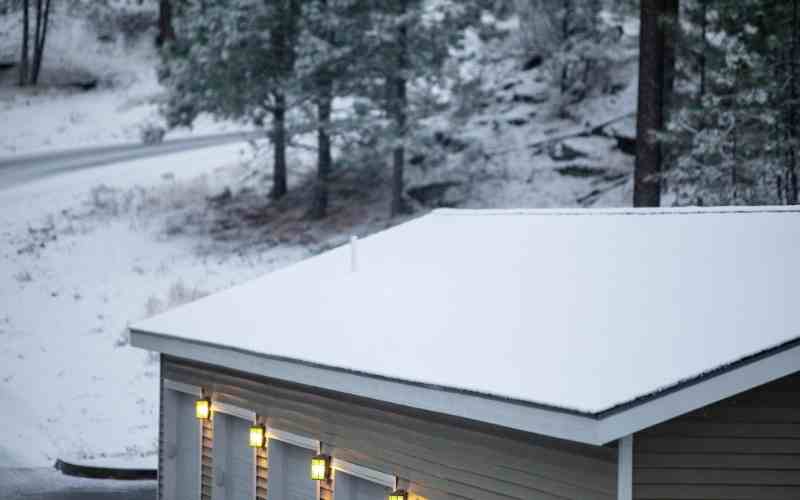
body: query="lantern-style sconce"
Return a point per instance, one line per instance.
(258, 436)
(398, 495)
(202, 408)
(320, 468)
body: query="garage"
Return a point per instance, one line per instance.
(498, 355)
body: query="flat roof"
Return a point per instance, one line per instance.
(582, 311)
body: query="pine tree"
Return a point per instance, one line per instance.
(235, 59)
(328, 64)
(405, 49)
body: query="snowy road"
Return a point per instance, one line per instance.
(20, 169)
(49, 484)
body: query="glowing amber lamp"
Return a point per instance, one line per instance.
(398, 495)
(258, 436)
(320, 470)
(202, 409)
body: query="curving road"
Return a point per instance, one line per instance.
(20, 169)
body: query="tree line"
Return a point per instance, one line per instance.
(718, 115)
(285, 62)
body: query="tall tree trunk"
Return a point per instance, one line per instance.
(565, 19)
(279, 147)
(166, 32)
(24, 74)
(43, 17)
(324, 157)
(669, 25)
(653, 79)
(792, 187)
(703, 45)
(282, 45)
(400, 104)
(36, 35)
(324, 97)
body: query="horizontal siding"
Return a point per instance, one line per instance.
(743, 448)
(440, 460)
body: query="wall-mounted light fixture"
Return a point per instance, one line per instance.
(202, 408)
(398, 495)
(258, 436)
(321, 468)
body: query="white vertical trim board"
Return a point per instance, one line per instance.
(625, 468)
(182, 387)
(365, 473)
(295, 439)
(236, 411)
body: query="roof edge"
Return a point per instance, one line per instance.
(589, 428)
(427, 385)
(709, 388)
(503, 412)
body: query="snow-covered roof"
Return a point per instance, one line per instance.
(584, 311)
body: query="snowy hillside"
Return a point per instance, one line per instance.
(98, 85)
(84, 254)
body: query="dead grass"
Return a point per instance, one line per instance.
(357, 204)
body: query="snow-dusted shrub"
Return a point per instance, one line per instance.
(23, 276)
(177, 295)
(152, 133)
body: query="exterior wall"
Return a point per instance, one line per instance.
(437, 458)
(743, 448)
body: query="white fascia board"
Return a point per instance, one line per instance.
(372, 475)
(234, 410)
(586, 429)
(700, 394)
(183, 387)
(294, 439)
(528, 418)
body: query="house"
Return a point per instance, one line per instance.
(539, 354)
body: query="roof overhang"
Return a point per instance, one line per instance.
(595, 429)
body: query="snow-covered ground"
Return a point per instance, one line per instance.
(56, 115)
(81, 255)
